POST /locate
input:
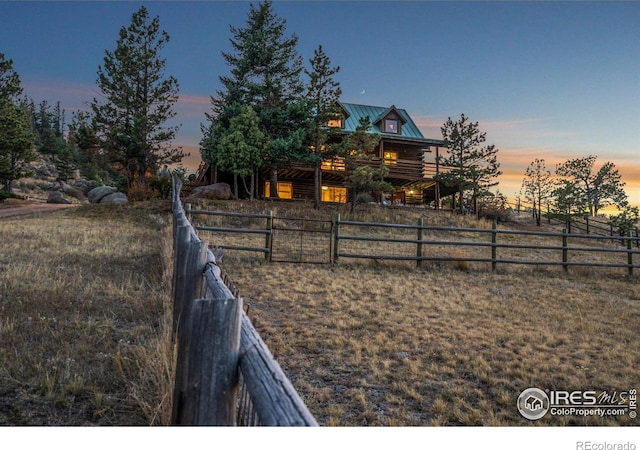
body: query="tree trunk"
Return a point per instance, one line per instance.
(235, 186)
(273, 189)
(317, 181)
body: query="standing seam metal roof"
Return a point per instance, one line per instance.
(355, 112)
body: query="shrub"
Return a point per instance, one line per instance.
(5, 195)
(141, 192)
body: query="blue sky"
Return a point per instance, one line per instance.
(553, 80)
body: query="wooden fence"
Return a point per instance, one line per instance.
(225, 374)
(579, 224)
(567, 245)
(491, 246)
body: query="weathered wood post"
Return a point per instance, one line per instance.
(212, 380)
(630, 252)
(336, 237)
(192, 289)
(419, 246)
(268, 242)
(182, 240)
(494, 239)
(586, 220)
(565, 251)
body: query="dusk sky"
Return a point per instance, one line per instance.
(552, 80)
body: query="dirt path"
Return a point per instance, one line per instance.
(30, 208)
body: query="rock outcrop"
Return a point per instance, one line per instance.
(217, 191)
(57, 197)
(96, 194)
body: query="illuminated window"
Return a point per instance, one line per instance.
(285, 190)
(334, 194)
(335, 123)
(390, 158)
(391, 126)
(333, 164)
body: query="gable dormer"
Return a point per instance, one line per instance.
(338, 121)
(390, 121)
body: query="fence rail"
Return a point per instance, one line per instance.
(491, 243)
(563, 247)
(225, 374)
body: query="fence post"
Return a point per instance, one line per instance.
(419, 246)
(565, 252)
(192, 274)
(586, 219)
(268, 241)
(630, 252)
(181, 248)
(336, 237)
(212, 380)
(494, 239)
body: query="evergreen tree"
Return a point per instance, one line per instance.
(242, 148)
(568, 201)
(359, 178)
(10, 88)
(324, 94)
(601, 188)
(16, 142)
(265, 73)
(471, 166)
(83, 137)
(139, 100)
(537, 186)
(16, 135)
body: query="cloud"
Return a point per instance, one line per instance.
(193, 106)
(72, 96)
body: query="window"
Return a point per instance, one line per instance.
(334, 194)
(285, 190)
(390, 158)
(391, 126)
(335, 123)
(333, 164)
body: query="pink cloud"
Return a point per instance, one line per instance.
(193, 106)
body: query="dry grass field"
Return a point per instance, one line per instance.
(84, 324)
(83, 314)
(382, 343)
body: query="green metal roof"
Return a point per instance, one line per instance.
(408, 130)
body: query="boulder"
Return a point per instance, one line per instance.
(217, 191)
(114, 198)
(57, 197)
(84, 185)
(95, 195)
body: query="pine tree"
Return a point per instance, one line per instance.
(324, 94)
(242, 148)
(470, 165)
(601, 188)
(265, 73)
(139, 100)
(16, 143)
(10, 88)
(537, 186)
(16, 135)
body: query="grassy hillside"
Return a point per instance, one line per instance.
(82, 316)
(84, 325)
(383, 343)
